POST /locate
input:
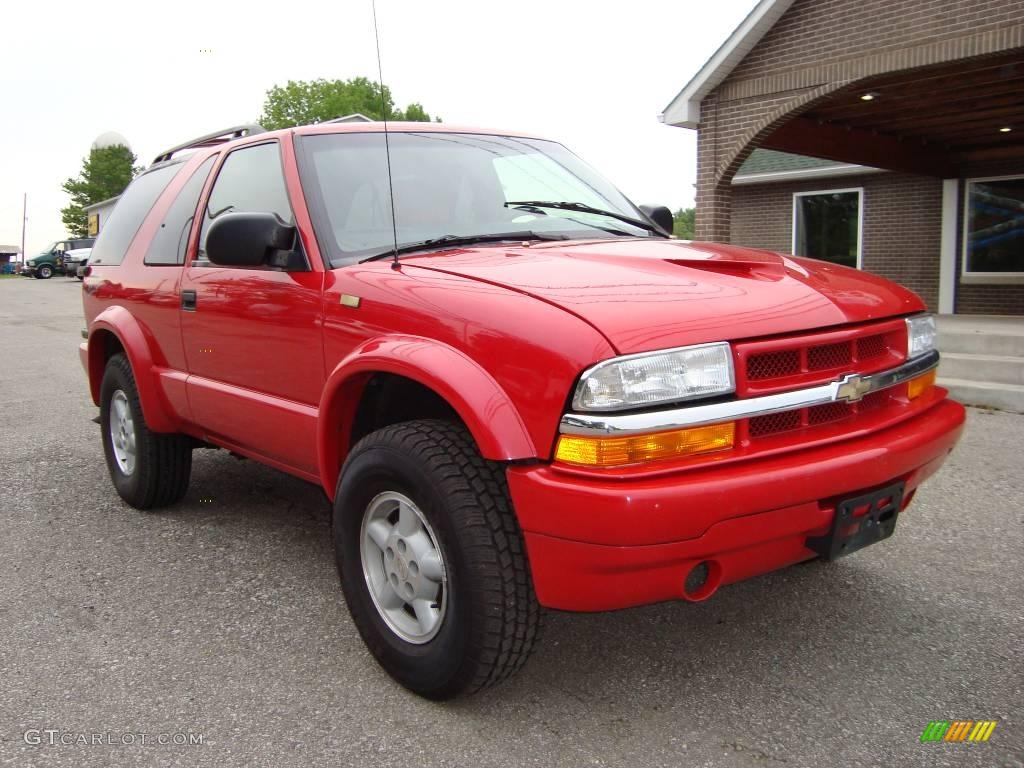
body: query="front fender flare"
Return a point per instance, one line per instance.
(137, 343)
(472, 392)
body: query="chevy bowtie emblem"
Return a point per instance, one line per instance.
(852, 388)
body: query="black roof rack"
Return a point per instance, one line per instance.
(211, 139)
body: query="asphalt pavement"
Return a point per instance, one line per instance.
(221, 619)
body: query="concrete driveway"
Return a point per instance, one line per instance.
(222, 618)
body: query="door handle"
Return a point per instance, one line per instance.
(188, 301)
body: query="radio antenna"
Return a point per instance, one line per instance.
(387, 145)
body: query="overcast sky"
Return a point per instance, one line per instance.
(593, 75)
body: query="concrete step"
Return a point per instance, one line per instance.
(973, 342)
(995, 369)
(1006, 397)
(982, 335)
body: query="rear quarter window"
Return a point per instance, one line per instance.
(128, 215)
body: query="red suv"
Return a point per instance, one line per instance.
(516, 389)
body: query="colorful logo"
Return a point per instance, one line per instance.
(958, 730)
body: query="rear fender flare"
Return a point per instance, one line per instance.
(472, 392)
(137, 343)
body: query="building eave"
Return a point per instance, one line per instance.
(684, 110)
(355, 117)
(775, 177)
(101, 203)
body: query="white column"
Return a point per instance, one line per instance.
(947, 246)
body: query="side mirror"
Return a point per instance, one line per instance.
(661, 216)
(248, 239)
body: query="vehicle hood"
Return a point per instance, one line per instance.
(652, 294)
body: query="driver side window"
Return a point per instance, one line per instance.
(250, 180)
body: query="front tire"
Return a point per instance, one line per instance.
(148, 469)
(45, 272)
(432, 561)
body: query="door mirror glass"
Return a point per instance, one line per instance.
(250, 240)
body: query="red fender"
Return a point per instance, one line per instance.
(137, 343)
(481, 403)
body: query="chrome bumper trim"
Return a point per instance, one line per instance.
(849, 388)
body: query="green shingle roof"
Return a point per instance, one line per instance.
(770, 161)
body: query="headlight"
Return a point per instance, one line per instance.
(31, 263)
(651, 378)
(921, 335)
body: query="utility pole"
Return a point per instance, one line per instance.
(24, 218)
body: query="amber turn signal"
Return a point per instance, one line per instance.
(637, 449)
(920, 385)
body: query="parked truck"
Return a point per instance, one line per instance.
(50, 261)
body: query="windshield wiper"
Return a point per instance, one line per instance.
(584, 208)
(454, 240)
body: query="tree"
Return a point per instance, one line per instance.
(105, 174)
(683, 220)
(303, 102)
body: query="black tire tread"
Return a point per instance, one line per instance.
(489, 532)
(164, 460)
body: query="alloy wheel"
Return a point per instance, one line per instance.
(122, 432)
(404, 567)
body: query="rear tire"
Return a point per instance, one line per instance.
(418, 508)
(148, 469)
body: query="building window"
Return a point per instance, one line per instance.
(827, 225)
(994, 227)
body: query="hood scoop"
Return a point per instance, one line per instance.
(726, 260)
(753, 270)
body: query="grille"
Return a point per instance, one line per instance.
(870, 347)
(829, 413)
(785, 364)
(773, 365)
(774, 423)
(823, 414)
(808, 362)
(874, 400)
(829, 356)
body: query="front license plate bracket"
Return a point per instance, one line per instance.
(860, 521)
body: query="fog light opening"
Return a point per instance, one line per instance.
(702, 581)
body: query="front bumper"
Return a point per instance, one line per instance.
(599, 544)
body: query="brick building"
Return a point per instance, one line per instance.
(883, 134)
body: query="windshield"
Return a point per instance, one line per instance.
(48, 249)
(452, 185)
